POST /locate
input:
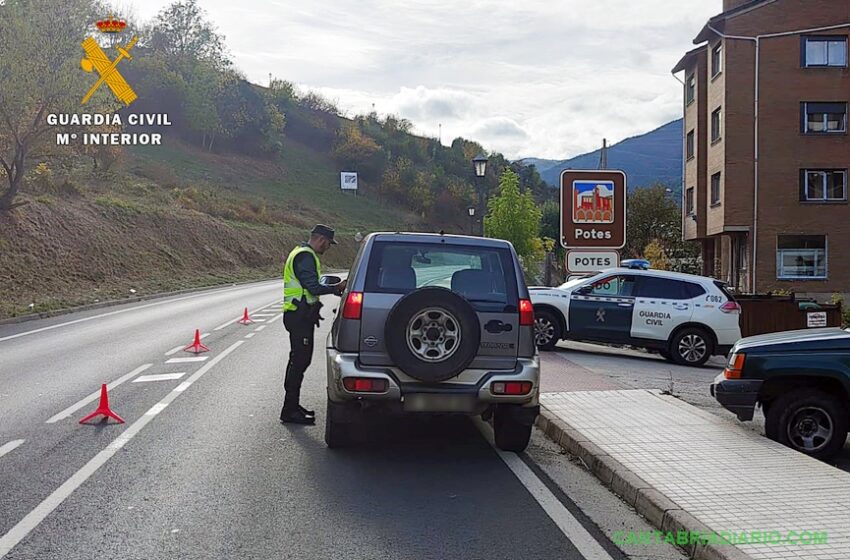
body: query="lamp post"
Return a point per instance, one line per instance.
(471, 211)
(479, 162)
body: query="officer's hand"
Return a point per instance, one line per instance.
(341, 287)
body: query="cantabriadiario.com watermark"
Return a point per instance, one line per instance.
(721, 538)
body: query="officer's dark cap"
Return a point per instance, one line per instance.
(324, 231)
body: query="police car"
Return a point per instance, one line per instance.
(685, 318)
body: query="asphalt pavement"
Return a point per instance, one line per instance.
(203, 469)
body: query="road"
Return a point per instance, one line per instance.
(203, 469)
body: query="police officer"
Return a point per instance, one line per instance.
(301, 291)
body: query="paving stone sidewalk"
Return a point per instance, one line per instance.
(684, 468)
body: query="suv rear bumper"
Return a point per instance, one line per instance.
(737, 395)
(419, 397)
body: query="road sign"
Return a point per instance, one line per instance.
(593, 209)
(348, 181)
(579, 261)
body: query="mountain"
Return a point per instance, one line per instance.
(654, 157)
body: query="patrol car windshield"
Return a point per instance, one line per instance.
(572, 283)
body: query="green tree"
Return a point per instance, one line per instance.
(653, 215)
(182, 31)
(514, 216)
(39, 74)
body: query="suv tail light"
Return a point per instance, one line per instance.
(511, 387)
(353, 308)
(365, 385)
(735, 367)
(730, 307)
(526, 313)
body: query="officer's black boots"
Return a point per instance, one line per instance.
(296, 417)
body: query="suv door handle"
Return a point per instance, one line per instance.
(495, 327)
(625, 304)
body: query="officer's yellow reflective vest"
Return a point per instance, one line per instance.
(292, 288)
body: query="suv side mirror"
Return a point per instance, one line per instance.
(585, 290)
(328, 280)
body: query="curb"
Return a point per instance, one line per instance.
(114, 302)
(658, 510)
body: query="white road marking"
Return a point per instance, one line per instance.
(25, 526)
(92, 318)
(588, 546)
(250, 314)
(186, 360)
(258, 329)
(158, 377)
(10, 446)
(96, 395)
(263, 314)
(275, 318)
(182, 346)
(250, 335)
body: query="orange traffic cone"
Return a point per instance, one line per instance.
(103, 408)
(196, 346)
(245, 320)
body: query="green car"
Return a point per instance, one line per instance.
(801, 379)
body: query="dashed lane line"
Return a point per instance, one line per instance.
(11, 446)
(182, 346)
(588, 546)
(26, 525)
(250, 313)
(186, 360)
(250, 335)
(94, 396)
(258, 329)
(118, 312)
(159, 377)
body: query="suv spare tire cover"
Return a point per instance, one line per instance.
(413, 305)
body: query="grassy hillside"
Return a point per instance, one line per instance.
(171, 217)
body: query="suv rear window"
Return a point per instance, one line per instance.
(723, 287)
(480, 274)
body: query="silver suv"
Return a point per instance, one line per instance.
(434, 324)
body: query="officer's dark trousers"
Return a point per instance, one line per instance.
(300, 356)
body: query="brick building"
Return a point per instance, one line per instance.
(766, 145)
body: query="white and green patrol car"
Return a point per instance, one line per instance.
(685, 318)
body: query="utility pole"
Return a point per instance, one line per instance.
(603, 156)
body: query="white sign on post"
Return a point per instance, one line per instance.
(591, 261)
(348, 181)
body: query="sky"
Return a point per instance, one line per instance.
(531, 78)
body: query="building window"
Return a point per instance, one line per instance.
(689, 145)
(825, 51)
(801, 257)
(689, 201)
(716, 125)
(691, 89)
(823, 185)
(717, 60)
(715, 189)
(824, 118)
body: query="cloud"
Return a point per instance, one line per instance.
(537, 78)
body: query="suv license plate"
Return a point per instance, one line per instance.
(427, 402)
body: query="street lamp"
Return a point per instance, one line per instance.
(471, 211)
(479, 162)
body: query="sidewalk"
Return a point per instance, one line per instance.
(686, 469)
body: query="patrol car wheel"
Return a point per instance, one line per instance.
(809, 421)
(691, 347)
(547, 329)
(432, 334)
